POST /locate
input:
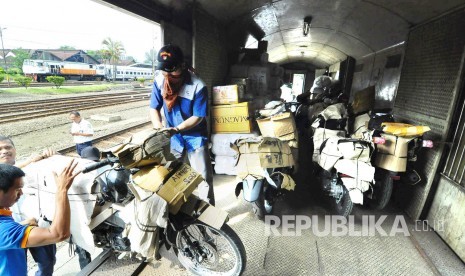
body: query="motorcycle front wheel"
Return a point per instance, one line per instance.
(204, 250)
(342, 206)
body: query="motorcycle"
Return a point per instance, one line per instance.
(264, 168)
(389, 167)
(343, 165)
(202, 245)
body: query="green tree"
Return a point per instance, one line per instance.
(113, 50)
(56, 80)
(2, 77)
(23, 81)
(2, 71)
(97, 54)
(67, 47)
(20, 56)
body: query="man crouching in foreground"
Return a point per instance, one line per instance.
(16, 237)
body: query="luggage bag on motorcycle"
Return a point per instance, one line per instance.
(144, 148)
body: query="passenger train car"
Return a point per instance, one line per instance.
(40, 69)
(131, 72)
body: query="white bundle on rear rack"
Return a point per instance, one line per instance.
(38, 198)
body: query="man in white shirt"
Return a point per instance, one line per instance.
(81, 130)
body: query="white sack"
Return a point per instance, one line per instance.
(225, 165)
(221, 143)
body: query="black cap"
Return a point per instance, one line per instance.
(169, 58)
(91, 153)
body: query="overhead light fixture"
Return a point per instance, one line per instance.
(307, 23)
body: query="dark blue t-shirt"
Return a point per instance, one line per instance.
(192, 101)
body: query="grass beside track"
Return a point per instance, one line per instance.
(61, 90)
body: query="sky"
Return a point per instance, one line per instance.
(82, 24)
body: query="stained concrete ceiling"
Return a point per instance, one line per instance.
(338, 29)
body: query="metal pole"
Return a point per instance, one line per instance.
(4, 55)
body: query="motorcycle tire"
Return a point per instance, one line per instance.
(343, 206)
(382, 190)
(261, 207)
(206, 258)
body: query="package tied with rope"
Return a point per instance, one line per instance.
(255, 154)
(144, 148)
(174, 182)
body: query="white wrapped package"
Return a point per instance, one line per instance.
(355, 189)
(319, 136)
(221, 143)
(355, 151)
(334, 111)
(359, 170)
(39, 191)
(329, 154)
(225, 165)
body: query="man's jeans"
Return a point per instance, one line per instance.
(200, 161)
(45, 258)
(80, 147)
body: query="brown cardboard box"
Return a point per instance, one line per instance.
(364, 100)
(174, 188)
(228, 94)
(281, 126)
(232, 118)
(394, 145)
(391, 162)
(257, 154)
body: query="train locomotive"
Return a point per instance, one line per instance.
(40, 69)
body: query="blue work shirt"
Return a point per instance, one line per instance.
(192, 101)
(12, 243)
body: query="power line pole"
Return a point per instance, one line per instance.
(4, 55)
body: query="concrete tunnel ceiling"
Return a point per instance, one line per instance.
(338, 28)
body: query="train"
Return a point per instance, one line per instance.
(39, 69)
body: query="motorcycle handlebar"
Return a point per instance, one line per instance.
(96, 165)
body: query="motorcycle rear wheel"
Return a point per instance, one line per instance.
(382, 190)
(215, 251)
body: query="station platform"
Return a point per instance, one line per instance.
(420, 251)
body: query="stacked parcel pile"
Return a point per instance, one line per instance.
(230, 121)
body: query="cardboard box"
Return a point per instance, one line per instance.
(174, 182)
(257, 154)
(394, 145)
(228, 94)
(391, 162)
(281, 126)
(364, 100)
(232, 118)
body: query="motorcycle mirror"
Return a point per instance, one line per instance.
(427, 144)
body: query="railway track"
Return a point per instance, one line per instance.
(19, 111)
(13, 84)
(109, 140)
